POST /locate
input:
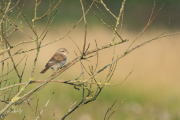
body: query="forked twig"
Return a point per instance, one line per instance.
(149, 22)
(45, 105)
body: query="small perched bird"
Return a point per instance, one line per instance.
(57, 60)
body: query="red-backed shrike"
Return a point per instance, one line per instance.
(57, 60)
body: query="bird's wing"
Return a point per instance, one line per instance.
(55, 59)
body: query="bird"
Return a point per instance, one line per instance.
(57, 60)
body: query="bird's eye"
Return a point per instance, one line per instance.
(62, 51)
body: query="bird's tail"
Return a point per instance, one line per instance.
(45, 69)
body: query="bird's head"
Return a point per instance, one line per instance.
(62, 51)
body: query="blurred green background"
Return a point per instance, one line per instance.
(137, 12)
(152, 90)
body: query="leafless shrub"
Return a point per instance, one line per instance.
(12, 98)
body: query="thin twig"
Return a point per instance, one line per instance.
(149, 22)
(45, 105)
(115, 109)
(85, 30)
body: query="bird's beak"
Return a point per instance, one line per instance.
(67, 52)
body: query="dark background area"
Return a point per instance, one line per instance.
(136, 16)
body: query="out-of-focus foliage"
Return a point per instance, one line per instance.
(138, 10)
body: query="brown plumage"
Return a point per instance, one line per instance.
(57, 60)
(45, 69)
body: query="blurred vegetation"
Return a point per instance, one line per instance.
(137, 12)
